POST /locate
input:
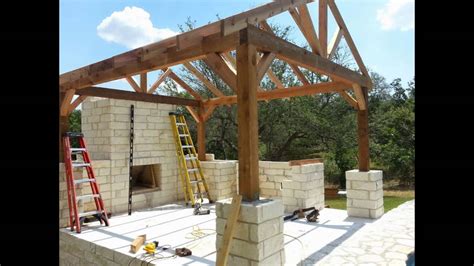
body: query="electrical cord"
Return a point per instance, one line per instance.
(302, 247)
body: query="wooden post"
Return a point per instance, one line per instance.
(201, 136)
(247, 118)
(323, 27)
(63, 126)
(363, 134)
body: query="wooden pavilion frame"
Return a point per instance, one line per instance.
(256, 47)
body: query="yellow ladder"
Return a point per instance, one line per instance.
(192, 178)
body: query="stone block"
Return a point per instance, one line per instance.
(358, 194)
(375, 195)
(241, 232)
(266, 230)
(374, 214)
(358, 212)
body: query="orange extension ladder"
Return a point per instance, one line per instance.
(75, 218)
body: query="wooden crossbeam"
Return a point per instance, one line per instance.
(184, 85)
(207, 114)
(64, 108)
(194, 114)
(267, 42)
(160, 80)
(148, 58)
(230, 59)
(133, 96)
(348, 38)
(134, 85)
(323, 26)
(301, 77)
(275, 80)
(76, 103)
(305, 90)
(264, 64)
(143, 82)
(221, 68)
(203, 79)
(336, 38)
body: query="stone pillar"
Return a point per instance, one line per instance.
(221, 178)
(364, 193)
(258, 238)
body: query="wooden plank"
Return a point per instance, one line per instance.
(305, 161)
(229, 231)
(184, 85)
(301, 77)
(336, 38)
(137, 243)
(309, 32)
(349, 99)
(254, 16)
(160, 80)
(361, 102)
(66, 102)
(323, 27)
(363, 136)
(221, 68)
(193, 113)
(275, 79)
(144, 59)
(143, 82)
(348, 38)
(75, 103)
(132, 96)
(264, 65)
(203, 79)
(132, 83)
(230, 59)
(247, 119)
(296, 55)
(327, 87)
(208, 112)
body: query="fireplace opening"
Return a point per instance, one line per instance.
(146, 178)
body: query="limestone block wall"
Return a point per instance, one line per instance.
(221, 177)
(364, 193)
(299, 186)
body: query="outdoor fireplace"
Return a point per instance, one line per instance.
(146, 178)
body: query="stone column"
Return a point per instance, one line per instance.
(364, 193)
(258, 238)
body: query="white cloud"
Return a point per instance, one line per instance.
(132, 28)
(397, 14)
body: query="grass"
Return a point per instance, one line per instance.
(391, 199)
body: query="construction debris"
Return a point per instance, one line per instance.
(137, 243)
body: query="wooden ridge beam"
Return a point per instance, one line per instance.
(267, 42)
(221, 68)
(160, 80)
(184, 85)
(145, 59)
(305, 90)
(348, 38)
(203, 79)
(133, 96)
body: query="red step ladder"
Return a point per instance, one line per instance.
(75, 218)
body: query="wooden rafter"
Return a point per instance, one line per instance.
(323, 26)
(203, 79)
(158, 82)
(336, 38)
(301, 77)
(64, 108)
(184, 85)
(327, 87)
(134, 85)
(222, 68)
(76, 103)
(194, 113)
(303, 20)
(267, 42)
(275, 80)
(133, 96)
(348, 38)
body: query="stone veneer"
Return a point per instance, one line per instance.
(364, 193)
(258, 238)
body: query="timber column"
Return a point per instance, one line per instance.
(258, 238)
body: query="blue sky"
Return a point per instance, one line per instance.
(89, 32)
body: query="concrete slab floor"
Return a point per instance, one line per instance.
(175, 226)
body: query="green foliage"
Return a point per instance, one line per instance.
(75, 125)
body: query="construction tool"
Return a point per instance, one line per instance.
(150, 248)
(199, 210)
(75, 218)
(192, 178)
(299, 213)
(183, 252)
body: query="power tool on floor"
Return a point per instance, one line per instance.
(198, 210)
(150, 248)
